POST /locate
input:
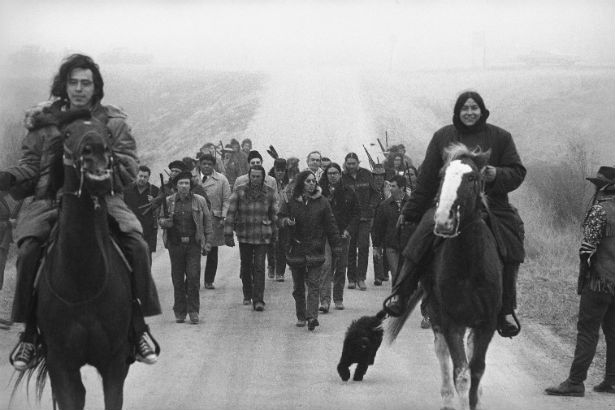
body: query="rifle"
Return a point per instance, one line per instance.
(165, 209)
(369, 157)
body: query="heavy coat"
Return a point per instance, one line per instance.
(345, 207)
(384, 230)
(42, 150)
(510, 174)
(200, 214)
(314, 224)
(148, 215)
(219, 193)
(42, 155)
(363, 185)
(252, 215)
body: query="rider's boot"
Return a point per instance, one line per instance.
(24, 354)
(136, 251)
(144, 352)
(24, 304)
(508, 324)
(405, 284)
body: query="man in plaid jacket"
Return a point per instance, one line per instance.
(252, 215)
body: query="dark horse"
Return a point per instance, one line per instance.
(84, 298)
(463, 283)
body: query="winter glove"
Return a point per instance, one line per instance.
(7, 180)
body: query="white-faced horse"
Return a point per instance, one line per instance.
(463, 284)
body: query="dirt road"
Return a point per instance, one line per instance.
(237, 359)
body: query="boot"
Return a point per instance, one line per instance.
(25, 354)
(405, 284)
(508, 324)
(144, 352)
(567, 388)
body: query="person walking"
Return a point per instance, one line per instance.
(218, 191)
(361, 181)
(387, 240)
(596, 286)
(276, 254)
(187, 235)
(252, 215)
(139, 197)
(503, 174)
(381, 192)
(311, 223)
(345, 207)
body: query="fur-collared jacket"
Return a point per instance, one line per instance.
(42, 149)
(252, 215)
(314, 224)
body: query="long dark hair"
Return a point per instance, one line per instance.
(300, 182)
(324, 180)
(484, 112)
(58, 87)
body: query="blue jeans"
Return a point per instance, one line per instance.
(253, 271)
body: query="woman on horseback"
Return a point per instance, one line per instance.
(503, 174)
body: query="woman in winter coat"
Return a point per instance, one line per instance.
(503, 174)
(311, 223)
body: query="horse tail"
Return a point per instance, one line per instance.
(38, 372)
(395, 324)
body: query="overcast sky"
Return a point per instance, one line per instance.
(263, 35)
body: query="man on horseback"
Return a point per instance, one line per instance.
(504, 174)
(78, 86)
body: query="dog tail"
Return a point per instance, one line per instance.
(395, 324)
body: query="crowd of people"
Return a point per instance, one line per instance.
(316, 221)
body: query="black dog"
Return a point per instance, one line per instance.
(363, 338)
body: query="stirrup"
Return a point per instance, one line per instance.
(512, 334)
(387, 309)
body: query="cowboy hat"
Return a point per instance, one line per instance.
(604, 176)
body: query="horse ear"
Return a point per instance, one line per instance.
(482, 159)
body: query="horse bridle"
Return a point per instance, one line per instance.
(67, 159)
(458, 227)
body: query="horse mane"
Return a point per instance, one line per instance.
(458, 150)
